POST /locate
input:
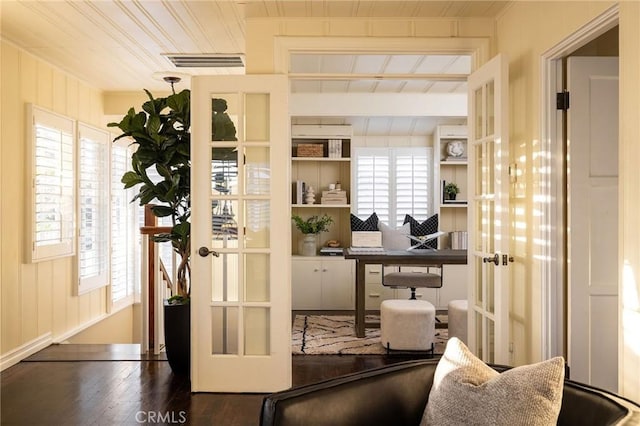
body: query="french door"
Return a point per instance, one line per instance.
(240, 293)
(488, 151)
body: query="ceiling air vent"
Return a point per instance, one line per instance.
(206, 60)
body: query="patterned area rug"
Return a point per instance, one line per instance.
(334, 335)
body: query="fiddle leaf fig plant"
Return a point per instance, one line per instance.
(161, 132)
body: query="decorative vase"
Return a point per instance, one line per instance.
(309, 245)
(177, 337)
(310, 196)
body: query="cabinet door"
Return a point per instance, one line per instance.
(375, 294)
(306, 284)
(338, 284)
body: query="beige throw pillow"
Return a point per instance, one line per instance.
(468, 392)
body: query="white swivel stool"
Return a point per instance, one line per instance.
(407, 324)
(457, 312)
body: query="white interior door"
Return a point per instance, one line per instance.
(488, 220)
(241, 299)
(592, 139)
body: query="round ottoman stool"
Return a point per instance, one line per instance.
(457, 312)
(407, 324)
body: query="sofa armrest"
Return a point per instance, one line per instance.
(392, 395)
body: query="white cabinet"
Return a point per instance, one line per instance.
(322, 283)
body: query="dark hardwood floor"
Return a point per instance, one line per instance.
(93, 385)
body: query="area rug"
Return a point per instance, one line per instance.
(334, 335)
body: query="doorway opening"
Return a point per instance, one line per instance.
(560, 295)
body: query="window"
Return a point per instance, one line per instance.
(393, 182)
(51, 199)
(124, 235)
(93, 208)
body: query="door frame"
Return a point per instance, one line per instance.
(553, 271)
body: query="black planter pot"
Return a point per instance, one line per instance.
(177, 337)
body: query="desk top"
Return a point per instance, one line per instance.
(417, 256)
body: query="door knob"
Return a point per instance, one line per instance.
(495, 259)
(204, 252)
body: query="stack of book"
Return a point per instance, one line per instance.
(458, 240)
(335, 148)
(334, 196)
(331, 251)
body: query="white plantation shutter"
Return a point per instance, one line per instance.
(372, 183)
(412, 183)
(123, 228)
(93, 208)
(52, 196)
(393, 182)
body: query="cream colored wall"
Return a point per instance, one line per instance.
(37, 300)
(117, 328)
(524, 32)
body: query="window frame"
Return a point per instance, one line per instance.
(66, 246)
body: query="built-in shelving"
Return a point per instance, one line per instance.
(452, 215)
(329, 163)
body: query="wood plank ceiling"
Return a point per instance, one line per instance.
(122, 45)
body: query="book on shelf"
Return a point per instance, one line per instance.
(297, 194)
(335, 148)
(458, 240)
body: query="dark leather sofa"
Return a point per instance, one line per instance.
(397, 395)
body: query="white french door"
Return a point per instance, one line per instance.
(488, 293)
(240, 292)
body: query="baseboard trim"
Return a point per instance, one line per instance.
(24, 351)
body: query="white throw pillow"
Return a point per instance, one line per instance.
(395, 239)
(466, 391)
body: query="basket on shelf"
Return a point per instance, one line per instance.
(310, 150)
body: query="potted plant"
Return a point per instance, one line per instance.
(161, 132)
(451, 190)
(311, 228)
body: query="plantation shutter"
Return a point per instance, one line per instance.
(412, 183)
(52, 196)
(93, 208)
(372, 183)
(393, 182)
(123, 228)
